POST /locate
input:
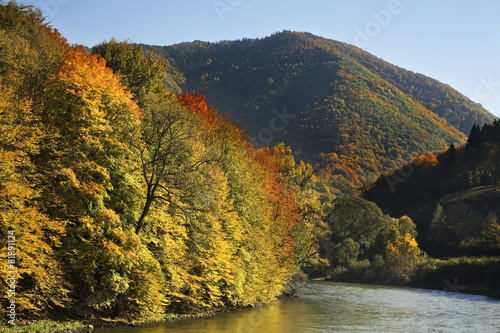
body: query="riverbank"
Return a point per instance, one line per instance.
(48, 326)
(479, 276)
(70, 326)
(85, 326)
(471, 275)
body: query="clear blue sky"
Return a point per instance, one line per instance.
(454, 41)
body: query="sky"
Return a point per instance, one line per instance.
(454, 41)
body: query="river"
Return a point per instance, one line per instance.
(343, 307)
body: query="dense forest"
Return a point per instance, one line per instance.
(355, 115)
(127, 200)
(133, 199)
(453, 197)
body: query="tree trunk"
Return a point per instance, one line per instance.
(145, 211)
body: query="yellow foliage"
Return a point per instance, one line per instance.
(391, 247)
(406, 243)
(39, 273)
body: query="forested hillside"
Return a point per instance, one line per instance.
(128, 201)
(453, 197)
(334, 104)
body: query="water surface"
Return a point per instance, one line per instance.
(342, 307)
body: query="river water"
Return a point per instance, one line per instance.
(343, 307)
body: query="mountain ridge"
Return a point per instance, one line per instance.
(355, 114)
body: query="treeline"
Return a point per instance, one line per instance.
(365, 245)
(453, 197)
(127, 200)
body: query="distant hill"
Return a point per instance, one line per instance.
(334, 104)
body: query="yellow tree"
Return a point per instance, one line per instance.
(39, 277)
(403, 254)
(29, 52)
(301, 181)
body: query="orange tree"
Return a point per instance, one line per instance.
(95, 187)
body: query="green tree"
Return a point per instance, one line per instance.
(491, 232)
(143, 75)
(358, 219)
(347, 253)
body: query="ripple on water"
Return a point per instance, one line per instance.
(343, 307)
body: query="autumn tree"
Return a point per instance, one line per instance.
(197, 105)
(96, 187)
(215, 211)
(169, 159)
(29, 51)
(166, 148)
(166, 206)
(301, 180)
(40, 286)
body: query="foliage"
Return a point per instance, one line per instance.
(29, 51)
(370, 245)
(129, 201)
(45, 326)
(94, 124)
(452, 196)
(459, 228)
(142, 75)
(477, 275)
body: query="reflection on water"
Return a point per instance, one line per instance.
(342, 307)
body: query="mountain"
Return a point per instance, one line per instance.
(334, 104)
